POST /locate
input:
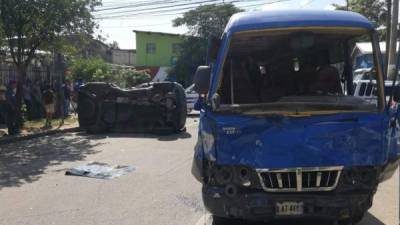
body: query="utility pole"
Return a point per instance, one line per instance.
(391, 69)
(388, 25)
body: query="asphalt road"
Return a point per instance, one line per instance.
(160, 191)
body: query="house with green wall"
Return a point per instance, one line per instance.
(156, 49)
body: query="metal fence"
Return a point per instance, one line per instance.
(9, 72)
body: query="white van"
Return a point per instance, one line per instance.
(366, 89)
(191, 98)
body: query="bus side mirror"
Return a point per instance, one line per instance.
(202, 79)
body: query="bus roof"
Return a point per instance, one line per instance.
(296, 18)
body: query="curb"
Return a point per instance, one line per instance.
(7, 140)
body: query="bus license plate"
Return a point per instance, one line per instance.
(289, 208)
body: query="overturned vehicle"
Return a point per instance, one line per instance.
(151, 107)
(281, 133)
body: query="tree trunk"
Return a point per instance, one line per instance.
(21, 76)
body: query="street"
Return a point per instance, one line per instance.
(160, 191)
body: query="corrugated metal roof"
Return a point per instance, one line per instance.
(160, 33)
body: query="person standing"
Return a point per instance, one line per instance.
(3, 103)
(12, 108)
(48, 101)
(67, 98)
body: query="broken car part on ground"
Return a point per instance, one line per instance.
(99, 170)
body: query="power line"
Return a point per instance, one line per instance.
(159, 24)
(152, 3)
(141, 15)
(113, 3)
(143, 25)
(165, 14)
(149, 13)
(119, 2)
(139, 4)
(163, 10)
(308, 3)
(109, 4)
(162, 4)
(262, 4)
(163, 7)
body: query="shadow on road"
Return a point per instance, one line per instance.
(26, 161)
(170, 137)
(368, 219)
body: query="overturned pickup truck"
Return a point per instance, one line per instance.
(151, 107)
(281, 133)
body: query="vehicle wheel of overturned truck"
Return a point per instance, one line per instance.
(175, 102)
(152, 107)
(181, 109)
(88, 110)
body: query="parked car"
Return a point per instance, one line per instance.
(368, 90)
(191, 98)
(362, 59)
(281, 134)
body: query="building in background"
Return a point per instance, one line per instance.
(156, 49)
(123, 57)
(90, 47)
(156, 52)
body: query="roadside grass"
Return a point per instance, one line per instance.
(34, 125)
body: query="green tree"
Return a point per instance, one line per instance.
(192, 54)
(95, 69)
(91, 70)
(208, 19)
(135, 77)
(113, 45)
(31, 24)
(28, 25)
(201, 22)
(375, 10)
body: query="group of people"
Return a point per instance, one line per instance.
(8, 107)
(40, 99)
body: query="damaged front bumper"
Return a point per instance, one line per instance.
(350, 196)
(262, 206)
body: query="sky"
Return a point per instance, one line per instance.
(121, 29)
